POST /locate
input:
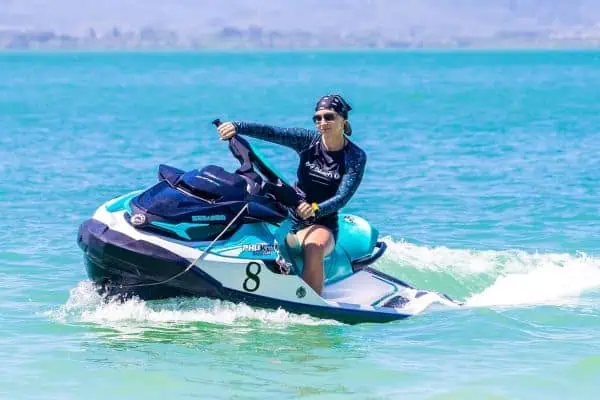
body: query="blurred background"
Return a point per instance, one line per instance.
(305, 24)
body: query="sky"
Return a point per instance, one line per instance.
(389, 17)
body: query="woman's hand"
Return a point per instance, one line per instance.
(226, 130)
(305, 211)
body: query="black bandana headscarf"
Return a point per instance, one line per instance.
(334, 102)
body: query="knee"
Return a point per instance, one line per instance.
(315, 246)
(317, 243)
(316, 240)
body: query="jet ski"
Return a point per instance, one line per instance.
(221, 235)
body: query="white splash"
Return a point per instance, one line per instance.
(511, 277)
(551, 279)
(87, 306)
(441, 258)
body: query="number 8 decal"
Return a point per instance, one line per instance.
(252, 277)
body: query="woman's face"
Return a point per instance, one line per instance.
(328, 122)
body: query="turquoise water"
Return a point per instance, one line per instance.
(483, 176)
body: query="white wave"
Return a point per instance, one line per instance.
(504, 278)
(554, 279)
(442, 258)
(87, 306)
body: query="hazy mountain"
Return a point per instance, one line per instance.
(400, 20)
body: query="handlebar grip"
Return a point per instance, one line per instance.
(217, 122)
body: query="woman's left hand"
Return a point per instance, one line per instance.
(305, 211)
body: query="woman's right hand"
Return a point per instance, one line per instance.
(305, 210)
(226, 130)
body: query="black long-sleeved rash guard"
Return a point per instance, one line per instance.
(328, 178)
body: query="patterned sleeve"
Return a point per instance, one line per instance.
(355, 168)
(295, 138)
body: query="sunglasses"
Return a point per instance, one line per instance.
(325, 117)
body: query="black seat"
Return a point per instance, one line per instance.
(213, 183)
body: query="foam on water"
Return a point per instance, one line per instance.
(553, 279)
(87, 306)
(499, 278)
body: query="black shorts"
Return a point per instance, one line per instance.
(329, 221)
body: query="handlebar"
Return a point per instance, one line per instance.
(243, 152)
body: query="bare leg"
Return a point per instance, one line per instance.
(317, 243)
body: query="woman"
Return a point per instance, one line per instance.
(330, 170)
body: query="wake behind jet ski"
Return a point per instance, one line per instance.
(215, 234)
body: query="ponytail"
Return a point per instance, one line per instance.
(347, 128)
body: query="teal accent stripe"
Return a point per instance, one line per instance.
(121, 203)
(179, 229)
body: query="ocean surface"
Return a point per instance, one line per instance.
(483, 177)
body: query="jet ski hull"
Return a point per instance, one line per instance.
(123, 266)
(127, 267)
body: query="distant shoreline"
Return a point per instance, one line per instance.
(257, 38)
(216, 50)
